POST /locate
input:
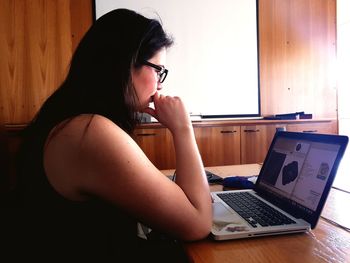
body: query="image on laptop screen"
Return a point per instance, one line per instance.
(297, 171)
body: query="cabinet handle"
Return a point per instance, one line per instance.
(251, 130)
(146, 134)
(228, 131)
(310, 131)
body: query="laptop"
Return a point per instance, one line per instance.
(290, 191)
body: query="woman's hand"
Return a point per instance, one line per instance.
(170, 111)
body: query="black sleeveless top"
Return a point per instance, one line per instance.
(49, 227)
(45, 221)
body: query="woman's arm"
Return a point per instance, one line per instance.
(190, 174)
(103, 161)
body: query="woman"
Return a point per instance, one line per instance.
(84, 182)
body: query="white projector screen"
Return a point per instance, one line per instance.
(213, 64)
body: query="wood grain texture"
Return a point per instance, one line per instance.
(255, 142)
(237, 142)
(158, 146)
(35, 50)
(297, 57)
(219, 145)
(327, 128)
(81, 16)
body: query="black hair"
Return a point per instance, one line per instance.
(99, 78)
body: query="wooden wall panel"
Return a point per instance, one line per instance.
(36, 42)
(81, 13)
(297, 54)
(297, 57)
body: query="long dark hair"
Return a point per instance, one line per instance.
(99, 78)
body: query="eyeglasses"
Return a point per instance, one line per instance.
(162, 72)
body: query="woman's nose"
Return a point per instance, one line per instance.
(159, 87)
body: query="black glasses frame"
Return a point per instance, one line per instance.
(161, 70)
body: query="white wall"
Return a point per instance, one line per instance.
(343, 84)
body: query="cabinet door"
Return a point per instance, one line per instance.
(219, 145)
(318, 127)
(158, 146)
(255, 142)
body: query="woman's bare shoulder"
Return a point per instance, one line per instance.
(77, 148)
(83, 122)
(86, 135)
(99, 131)
(78, 129)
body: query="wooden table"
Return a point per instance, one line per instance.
(326, 243)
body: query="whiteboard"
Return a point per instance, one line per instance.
(213, 64)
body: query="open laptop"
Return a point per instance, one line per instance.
(290, 191)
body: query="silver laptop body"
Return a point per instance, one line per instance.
(295, 180)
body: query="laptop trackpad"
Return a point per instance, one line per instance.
(223, 216)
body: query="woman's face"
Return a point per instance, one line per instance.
(146, 80)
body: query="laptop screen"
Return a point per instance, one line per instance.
(299, 170)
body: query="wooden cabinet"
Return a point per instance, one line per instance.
(255, 142)
(256, 139)
(219, 145)
(322, 127)
(226, 142)
(157, 143)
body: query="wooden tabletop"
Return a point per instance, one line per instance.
(328, 242)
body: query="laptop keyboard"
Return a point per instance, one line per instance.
(254, 211)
